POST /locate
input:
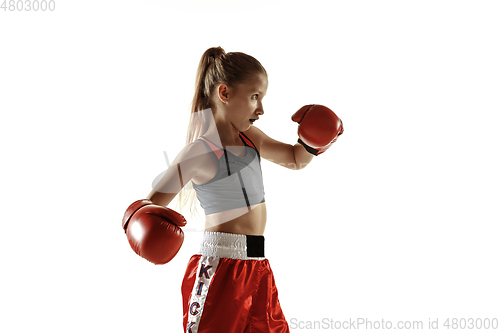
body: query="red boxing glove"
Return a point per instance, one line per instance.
(153, 231)
(319, 128)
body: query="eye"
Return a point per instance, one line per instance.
(256, 96)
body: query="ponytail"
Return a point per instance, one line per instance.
(210, 72)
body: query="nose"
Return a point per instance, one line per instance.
(260, 109)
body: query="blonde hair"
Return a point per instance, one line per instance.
(215, 67)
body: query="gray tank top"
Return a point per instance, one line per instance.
(237, 183)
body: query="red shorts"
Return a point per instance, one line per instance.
(229, 288)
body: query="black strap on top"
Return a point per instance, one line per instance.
(241, 180)
(227, 163)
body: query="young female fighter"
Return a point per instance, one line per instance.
(229, 286)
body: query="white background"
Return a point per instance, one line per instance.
(397, 221)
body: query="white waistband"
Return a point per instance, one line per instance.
(225, 245)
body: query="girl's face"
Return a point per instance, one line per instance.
(244, 104)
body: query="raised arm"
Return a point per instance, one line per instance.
(319, 127)
(294, 157)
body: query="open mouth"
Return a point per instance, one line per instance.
(252, 120)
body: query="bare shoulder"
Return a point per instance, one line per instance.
(189, 164)
(196, 152)
(256, 135)
(199, 160)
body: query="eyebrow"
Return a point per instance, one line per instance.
(255, 89)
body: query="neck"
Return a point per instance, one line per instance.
(221, 131)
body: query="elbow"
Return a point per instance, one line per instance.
(300, 166)
(295, 165)
(301, 158)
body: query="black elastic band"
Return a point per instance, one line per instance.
(309, 149)
(255, 246)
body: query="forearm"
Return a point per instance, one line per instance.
(302, 156)
(161, 199)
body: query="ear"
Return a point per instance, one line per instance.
(223, 92)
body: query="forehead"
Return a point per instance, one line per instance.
(258, 84)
